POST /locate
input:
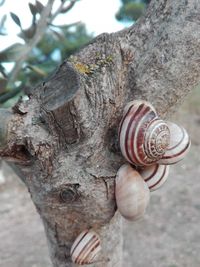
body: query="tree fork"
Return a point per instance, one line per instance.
(63, 139)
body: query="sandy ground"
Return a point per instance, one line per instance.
(168, 236)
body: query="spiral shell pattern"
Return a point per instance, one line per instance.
(155, 175)
(143, 137)
(179, 145)
(85, 248)
(131, 192)
(137, 103)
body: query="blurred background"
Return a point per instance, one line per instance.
(168, 235)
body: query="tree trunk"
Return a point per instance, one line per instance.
(63, 140)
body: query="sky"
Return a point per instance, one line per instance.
(98, 15)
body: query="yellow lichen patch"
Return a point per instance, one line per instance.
(109, 59)
(82, 68)
(91, 68)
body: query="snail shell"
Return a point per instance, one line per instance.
(179, 144)
(85, 248)
(131, 192)
(143, 137)
(155, 175)
(137, 103)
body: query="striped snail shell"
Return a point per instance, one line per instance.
(138, 103)
(131, 192)
(143, 137)
(85, 248)
(155, 175)
(179, 144)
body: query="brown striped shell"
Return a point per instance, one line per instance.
(138, 103)
(179, 145)
(155, 175)
(143, 137)
(85, 248)
(131, 193)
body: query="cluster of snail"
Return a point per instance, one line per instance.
(150, 145)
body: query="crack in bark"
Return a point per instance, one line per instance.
(107, 187)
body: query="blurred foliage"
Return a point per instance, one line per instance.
(2, 27)
(2, 2)
(131, 10)
(57, 43)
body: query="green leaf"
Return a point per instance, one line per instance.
(37, 70)
(58, 35)
(3, 83)
(130, 11)
(16, 19)
(33, 9)
(11, 53)
(2, 22)
(3, 72)
(2, 2)
(39, 7)
(30, 32)
(2, 28)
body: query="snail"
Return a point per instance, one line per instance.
(138, 103)
(179, 144)
(85, 248)
(131, 192)
(143, 137)
(155, 175)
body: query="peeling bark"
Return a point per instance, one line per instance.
(64, 138)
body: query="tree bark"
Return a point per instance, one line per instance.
(64, 138)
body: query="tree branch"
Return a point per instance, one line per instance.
(166, 51)
(6, 96)
(63, 9)
(40, 30)
(44, 21)
(69, 138)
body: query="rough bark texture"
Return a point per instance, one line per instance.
(64, 138)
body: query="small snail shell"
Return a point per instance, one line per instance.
(131, 192)
(85, 248)
(179, 144)
(155, 175)
(143, 137)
